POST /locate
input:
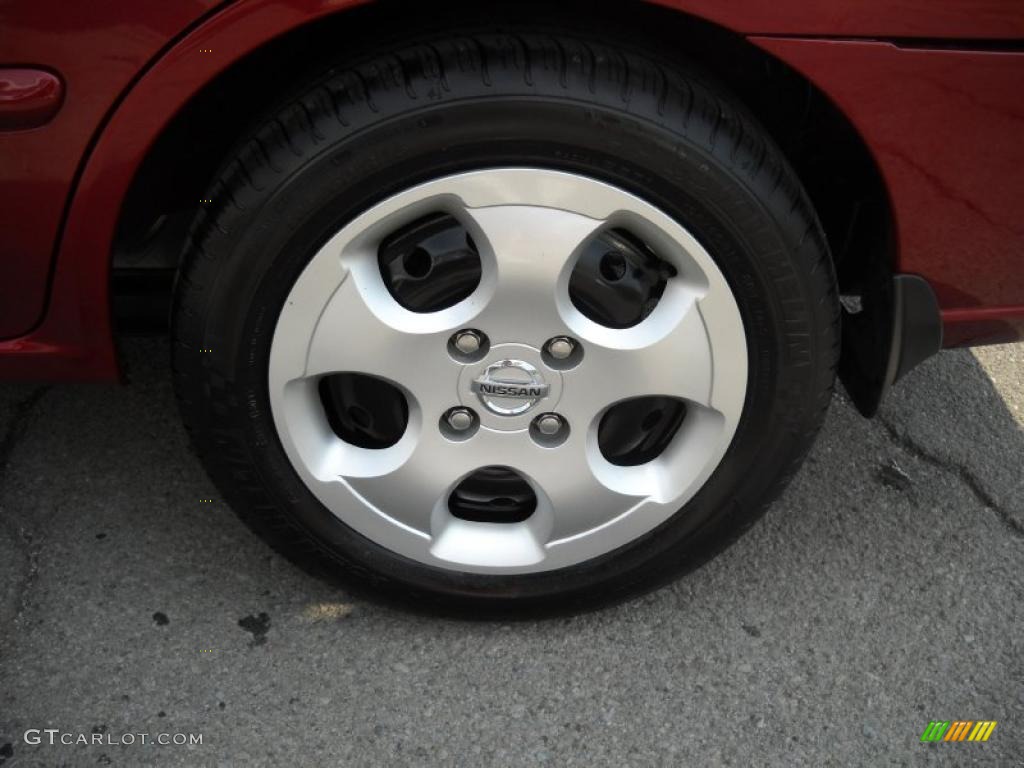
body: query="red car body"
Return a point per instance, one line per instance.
(933, 88)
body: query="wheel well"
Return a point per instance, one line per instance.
(830, 158)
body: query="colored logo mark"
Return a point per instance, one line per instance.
(958, 730)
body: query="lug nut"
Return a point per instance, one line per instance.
(467, 342)
(460, 419)
(561, 347)
(549, 424)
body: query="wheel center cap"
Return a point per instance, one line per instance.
(510, 387)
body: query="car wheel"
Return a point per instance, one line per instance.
(505, 319)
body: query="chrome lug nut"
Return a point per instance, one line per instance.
(549, 424)
(467, 342)
(460, 419)
(561, 347)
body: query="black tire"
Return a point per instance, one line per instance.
(449, 103)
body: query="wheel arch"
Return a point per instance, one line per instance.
(169, 136)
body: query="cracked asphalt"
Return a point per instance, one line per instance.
(884, 590)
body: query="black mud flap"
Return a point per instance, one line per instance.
(898, 325)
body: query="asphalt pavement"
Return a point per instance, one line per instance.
(883, 591)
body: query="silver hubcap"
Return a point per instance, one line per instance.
(529, 226)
